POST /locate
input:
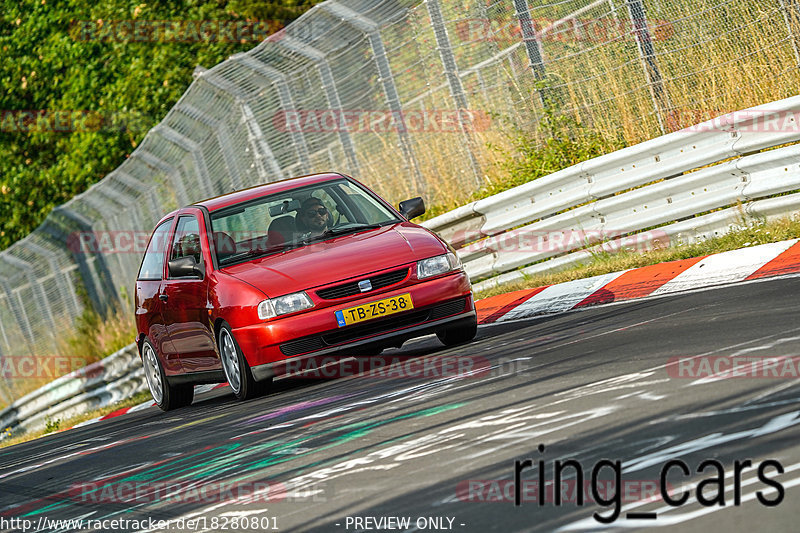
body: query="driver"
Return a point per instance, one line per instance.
(313, 217)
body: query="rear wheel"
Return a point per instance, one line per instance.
(458, 335)
(237, 370)
(166, 396)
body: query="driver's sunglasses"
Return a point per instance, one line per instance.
(321, 211)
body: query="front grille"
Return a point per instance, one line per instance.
(446, 309)
(373, 327)
(306, 344)
(351, 288)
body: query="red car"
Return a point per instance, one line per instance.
(232, 287)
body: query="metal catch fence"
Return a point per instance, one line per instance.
(411, 97)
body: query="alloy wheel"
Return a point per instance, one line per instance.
(153, 373)
(230, 360)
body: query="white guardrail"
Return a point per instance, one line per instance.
(115, 378)
(659, 184)
(648, 192)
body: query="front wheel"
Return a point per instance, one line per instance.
(240, 377)
(166, 396)
(458, 335)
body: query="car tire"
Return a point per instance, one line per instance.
(458, 335)
(237, 370)
(166, 395)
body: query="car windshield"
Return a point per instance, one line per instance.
(295, 218)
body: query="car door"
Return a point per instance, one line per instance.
(186, 307)
(149, 304)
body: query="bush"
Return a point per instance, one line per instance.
(53, 64)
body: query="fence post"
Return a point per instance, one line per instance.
(8, 392)
(123, 201)
(371, 30)
(65, 284)
(287, 102)
(331, 94)
(223, 137)
(120, 198)
(58, 236)
(36, 290)
(495, 48)
(454, 81)
(647, 54)
(156, 163)
(5, 388)
(791, 14)
(18, 310)
(3, 330)
(255, 137)
(533, 46)
(130, 207)
(259, 145)
(189, 145)
(132, 182)
(104, 283)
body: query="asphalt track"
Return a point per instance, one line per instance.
(599, 383)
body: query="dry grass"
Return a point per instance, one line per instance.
(713, 58)
(93, 337)
(97, 337)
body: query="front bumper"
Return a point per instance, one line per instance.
(316, 331)
(269, 370)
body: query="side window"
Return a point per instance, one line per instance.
(186, 242)
(153, 261)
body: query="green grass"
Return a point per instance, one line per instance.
(752, 233)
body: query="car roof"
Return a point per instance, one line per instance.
(225, 200)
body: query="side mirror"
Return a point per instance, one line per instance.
(412, 208)
(184, 267)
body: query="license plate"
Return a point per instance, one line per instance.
(388, 306)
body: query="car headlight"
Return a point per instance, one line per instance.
(438, 265)
(297, 301)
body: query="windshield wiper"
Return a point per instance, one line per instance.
(258, 252)
(342, 231)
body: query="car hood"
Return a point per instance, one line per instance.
(338, 259)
